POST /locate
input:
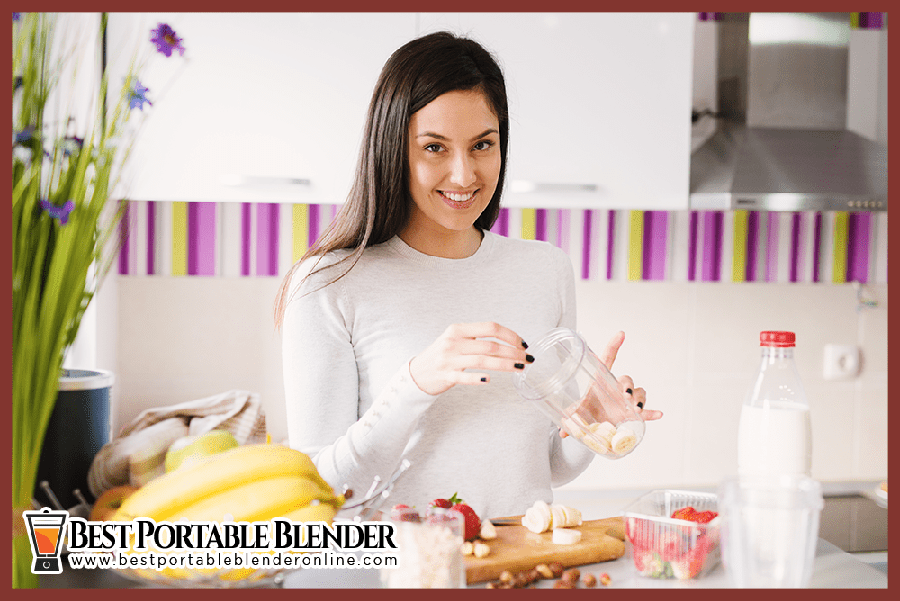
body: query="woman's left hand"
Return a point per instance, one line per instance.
(638, 396)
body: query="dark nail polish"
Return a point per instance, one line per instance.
(629, 391)
(640, 405)
(484, 379)
(529, 358)
(519, 366)
(524, 345)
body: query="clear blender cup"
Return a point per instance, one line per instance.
(570, 385)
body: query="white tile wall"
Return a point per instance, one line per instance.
(692, 346)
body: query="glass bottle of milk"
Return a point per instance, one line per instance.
(775, 435)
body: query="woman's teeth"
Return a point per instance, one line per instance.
(458, 197)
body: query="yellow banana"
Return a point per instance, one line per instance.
(176, 490)
(255, 500)
(323, 512)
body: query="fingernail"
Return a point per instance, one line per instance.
(519, 366)
(529, 358)
(640, 404)
(484, 379)
(629, 391)
(524, 345)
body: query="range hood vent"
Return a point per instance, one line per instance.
(780, 141)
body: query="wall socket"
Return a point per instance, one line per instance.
(841, 362)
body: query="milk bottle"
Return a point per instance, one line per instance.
(775, 436)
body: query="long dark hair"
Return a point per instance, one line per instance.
(378, 205)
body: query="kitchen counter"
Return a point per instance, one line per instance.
(833, 569)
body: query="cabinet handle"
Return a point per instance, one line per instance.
(526, 186)
(249, 180)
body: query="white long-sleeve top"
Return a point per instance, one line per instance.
(353, 407)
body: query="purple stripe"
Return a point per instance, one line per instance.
(795, 247)
(752, 255)
(712, 245)
(201, 251)
(245, 238)
(266, 238)
(858, 247)
(863, 20)
(875, 20)
(817, 246)
(610, 242)
(692, 248)
(124, 238)
(501, 224)
(562, 230)
(313, 217)
(655, 244)
(586, 246)
(540, 224)
(151, 238)
(772, 247)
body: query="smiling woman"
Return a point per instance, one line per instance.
(404, 322)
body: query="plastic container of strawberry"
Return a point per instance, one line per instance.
(660, 546)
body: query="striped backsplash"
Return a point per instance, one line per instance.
(265, 239)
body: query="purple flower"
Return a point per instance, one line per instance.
(57, 212)
(166, 40)
(137, 95)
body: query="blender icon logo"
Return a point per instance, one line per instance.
(45, 532)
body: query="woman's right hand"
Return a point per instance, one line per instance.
(462, 346)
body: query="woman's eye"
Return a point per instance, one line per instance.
(433, 148)
(484, 145)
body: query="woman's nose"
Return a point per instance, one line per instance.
(462, 170)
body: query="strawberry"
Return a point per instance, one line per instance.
(689, 565)
(399, 513)
(685, 513)
(446, 503)
(704, 517)
(471, 520)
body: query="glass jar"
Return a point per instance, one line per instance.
(570, 385)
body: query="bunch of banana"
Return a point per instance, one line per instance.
(245, 484)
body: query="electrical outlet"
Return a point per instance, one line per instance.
(841, 362)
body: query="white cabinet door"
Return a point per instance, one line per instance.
(272, 102)
(599, 104)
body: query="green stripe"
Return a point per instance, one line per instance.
(739, 252)
(179, 238)
(636, 246)
(841, 234)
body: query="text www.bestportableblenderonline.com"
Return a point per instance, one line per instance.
(231, 560)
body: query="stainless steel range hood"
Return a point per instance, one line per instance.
(780, 142)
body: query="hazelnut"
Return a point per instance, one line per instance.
(574, 574)
(562, 583)
(545, 571)
(492, 585)
(519, 580)
(480, 550)
(589, 580)
(556, 569)
(468, 548)
(533, 575)
(604, 579)
(506, 576)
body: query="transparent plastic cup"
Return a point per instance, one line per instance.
(770, 529)
(570, 385)
(429, 550)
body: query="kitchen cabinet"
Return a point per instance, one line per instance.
(262, 107)
(599, 105)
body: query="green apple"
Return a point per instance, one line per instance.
(188, 449)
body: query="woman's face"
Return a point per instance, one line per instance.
(454, 163)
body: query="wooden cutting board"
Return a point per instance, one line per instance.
(516, 548)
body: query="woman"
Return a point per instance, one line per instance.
(403, 326)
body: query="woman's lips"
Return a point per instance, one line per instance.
(456, 200)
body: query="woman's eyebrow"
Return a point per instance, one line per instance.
(429, 134)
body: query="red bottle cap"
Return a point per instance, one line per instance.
(780, 339)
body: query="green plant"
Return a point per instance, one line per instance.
(66, 208)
